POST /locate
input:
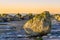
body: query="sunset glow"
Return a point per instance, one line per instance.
(29, 6)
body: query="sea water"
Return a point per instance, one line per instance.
(14, 35)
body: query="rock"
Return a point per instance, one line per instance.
(38, 25)
(57, 17)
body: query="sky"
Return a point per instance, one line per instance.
(29, 6)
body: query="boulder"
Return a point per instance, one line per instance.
(38, 25)
(57, 17)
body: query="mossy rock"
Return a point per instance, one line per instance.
(57, 17)
(38, 25)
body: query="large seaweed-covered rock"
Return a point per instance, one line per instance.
(38, 25)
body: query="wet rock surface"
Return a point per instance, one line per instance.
(38, 25)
